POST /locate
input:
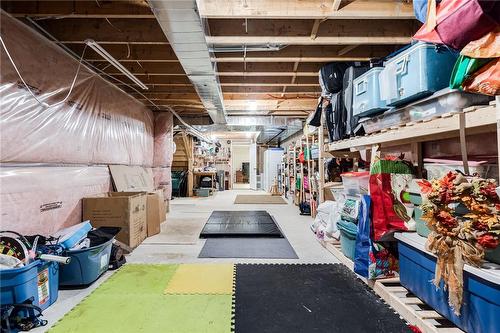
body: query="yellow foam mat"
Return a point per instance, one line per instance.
(202, 279)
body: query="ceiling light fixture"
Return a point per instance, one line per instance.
(103, 53)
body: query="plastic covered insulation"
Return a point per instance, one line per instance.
(44, 199)
(163, 180)
(52, 157)
(163, 139)
(97, 124)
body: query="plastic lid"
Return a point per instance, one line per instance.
(355, 174)
(348, 227)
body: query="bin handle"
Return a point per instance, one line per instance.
(361, 87)
(403, 61)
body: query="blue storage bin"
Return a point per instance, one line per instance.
(86, 265)
(366, 100)
(420, 71)
(348, 232)
(39, 280)
(480, 312)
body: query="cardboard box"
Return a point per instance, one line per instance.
(156, 214)
(136, 178)
(330, 189)
(119, 209)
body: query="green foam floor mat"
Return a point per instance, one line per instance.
(132, 300)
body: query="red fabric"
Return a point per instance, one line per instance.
(460, 22)
(384, 219)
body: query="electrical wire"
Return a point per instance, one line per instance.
(44, 104)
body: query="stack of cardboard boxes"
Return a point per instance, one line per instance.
(135, 206)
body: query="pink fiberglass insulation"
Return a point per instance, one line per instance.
(163, 180)
(98, 124)
(163, 140)
(41, 199)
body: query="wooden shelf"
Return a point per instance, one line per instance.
(477, 120)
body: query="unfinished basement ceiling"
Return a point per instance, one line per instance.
(268, 52)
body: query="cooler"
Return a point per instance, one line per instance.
(366, 100)
(420, 71)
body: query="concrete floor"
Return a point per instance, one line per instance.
(295, 228)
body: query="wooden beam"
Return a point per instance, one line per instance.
(238, 74)
(305, 40)
(282, 9)
(315, 28)
(302, 28)
(78, 9)
(269, 89)
(347, 49)
(290, 59)
(263, 105)
(309, 80)
(336, 5)
(105, 31)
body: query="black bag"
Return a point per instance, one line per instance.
(336, 118)
(316, 119)
(117, 257)
(20, 317)
(330, 77)
(352, 122)
(305, 208)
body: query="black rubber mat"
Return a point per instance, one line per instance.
(325, 298)
(268, 248)
(251, 217)
(240, 224)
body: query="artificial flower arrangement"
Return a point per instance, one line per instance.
(463, 215)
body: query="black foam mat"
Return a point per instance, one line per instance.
(268, 248)
(240, 224)
(250, 217)
(329, 298)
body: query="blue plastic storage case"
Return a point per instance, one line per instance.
(86, 265)
(366, 100)
(421, 70)
(70, 236)
(39, 280)
(480, 311)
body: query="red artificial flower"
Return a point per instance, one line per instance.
(488, 241)
(425, 186)
(446, 219)
(480, 226)
(489, 191)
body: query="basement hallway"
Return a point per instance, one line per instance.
(165, 287)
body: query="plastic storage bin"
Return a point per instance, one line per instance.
(70, 236)
(480, 311)
(39, 280)
(420, 71)
(86, 265)
(422, 228)
(348, 232)
(366, 100)
(356, 182)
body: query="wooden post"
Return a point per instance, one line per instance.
(463, 143)
(321, 164)
(417, 157)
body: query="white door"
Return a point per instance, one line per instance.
(253, 166)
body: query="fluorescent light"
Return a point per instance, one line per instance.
(103, 53)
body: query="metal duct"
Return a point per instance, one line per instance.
(181, 23)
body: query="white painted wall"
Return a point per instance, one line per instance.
(240, 154)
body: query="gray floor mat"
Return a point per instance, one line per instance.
(268, 248)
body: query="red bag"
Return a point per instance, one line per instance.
(459, 22)
(388, 178)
